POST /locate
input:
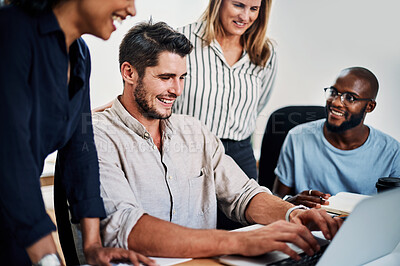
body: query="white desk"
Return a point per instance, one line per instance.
(49, 165)
(47, 176)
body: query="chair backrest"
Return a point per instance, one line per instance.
(64, 228)
(279, 124)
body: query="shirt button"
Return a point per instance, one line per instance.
(170, 177)
(146, 135)
(173, 212)
(154, 147)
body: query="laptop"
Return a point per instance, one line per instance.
(370, 233)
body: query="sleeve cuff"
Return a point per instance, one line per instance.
(25, 238)
(87, 208)
(116, 228)
(255, 190)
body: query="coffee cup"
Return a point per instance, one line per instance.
(387, 183)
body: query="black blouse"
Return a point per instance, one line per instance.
(41, 113)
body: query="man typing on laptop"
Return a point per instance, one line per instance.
(163, 175)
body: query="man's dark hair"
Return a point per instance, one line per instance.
(35, 6)
(144, 42)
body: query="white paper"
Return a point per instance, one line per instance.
(160, 261)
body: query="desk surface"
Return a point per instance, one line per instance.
(206, 262)
(47, 176)
(49, 165)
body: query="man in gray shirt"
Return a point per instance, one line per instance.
(162, 175)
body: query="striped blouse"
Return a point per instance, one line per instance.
(227, 99)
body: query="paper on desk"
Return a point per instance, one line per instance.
(160, 261)
(343, 203)
(49, 164)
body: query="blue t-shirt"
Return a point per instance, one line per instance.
(309, 161)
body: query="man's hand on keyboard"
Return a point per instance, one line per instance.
(275, 236)
(317, 219)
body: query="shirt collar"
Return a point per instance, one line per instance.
(199, 29)
(48, 23)
(79, 60)
(135, 125)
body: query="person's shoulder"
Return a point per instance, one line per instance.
(19, 29)
(192, 130)
(82, 46)
(192, 30)
(181, 120)
(13, 13)
(102, 121)
(188, 26)
(186, 124)
(312, 127)
(15, 20)
(379, 136)
(272, 45)
(271, 62)
(103, 115)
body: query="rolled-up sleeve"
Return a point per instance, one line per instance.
(234, 189)
(285, 167)
(268, 80)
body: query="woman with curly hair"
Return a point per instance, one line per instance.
(44, 87)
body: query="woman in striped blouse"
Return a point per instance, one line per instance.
(231, 73)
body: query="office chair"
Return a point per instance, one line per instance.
(69, 234)
(279, 124)
(64, 227)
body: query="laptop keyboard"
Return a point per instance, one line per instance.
(305, 259)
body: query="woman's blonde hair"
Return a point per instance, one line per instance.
(254, 40)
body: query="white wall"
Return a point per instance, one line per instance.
(106, 82)
(316, 39)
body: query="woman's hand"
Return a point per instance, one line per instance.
(98, 255)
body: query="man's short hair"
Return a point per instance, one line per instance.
(144, 42)
(368, 76)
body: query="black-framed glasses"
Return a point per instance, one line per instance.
(347, 98)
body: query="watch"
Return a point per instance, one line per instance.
(287, 197)
(287, 216)
(49, 260)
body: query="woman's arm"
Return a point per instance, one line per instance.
(97, 255)
(268, 80)
(21, 201)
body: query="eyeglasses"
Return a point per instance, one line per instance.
(347, 98)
